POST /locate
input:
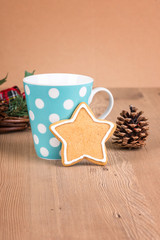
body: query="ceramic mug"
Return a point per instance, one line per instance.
(53, 97)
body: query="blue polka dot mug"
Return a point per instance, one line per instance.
(53, 97)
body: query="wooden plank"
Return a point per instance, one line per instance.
(41, 199)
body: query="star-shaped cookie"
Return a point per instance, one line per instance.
(83, 136)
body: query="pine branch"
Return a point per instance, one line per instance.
(26, 74)
(17, 107)
(3, 80)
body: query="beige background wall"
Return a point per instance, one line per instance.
(115, 41)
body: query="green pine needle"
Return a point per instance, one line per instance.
(26, 74)
(3, 80)
(17, 107)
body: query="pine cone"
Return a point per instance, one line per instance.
(3, 108)
(132, 129)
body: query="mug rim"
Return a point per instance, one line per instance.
(58, 79)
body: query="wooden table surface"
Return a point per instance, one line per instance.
(42, 200)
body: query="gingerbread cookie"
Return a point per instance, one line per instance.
(83, 136)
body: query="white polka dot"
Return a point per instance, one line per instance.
(53, 93)
(60, 153)
(27, 89)
(39, 103)
(41, 128)
(54, 117)
(36, 139)
(31, 114)
(54, 142)
(68, 104)
(44, 152)
(82, 91)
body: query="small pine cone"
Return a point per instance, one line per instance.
(3, 108)
(132, 129)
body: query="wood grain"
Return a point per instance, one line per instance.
(40, 199)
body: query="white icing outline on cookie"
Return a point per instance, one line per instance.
(82, 105)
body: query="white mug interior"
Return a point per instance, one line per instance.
(58, 79)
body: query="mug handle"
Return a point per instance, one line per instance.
(111, 100)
